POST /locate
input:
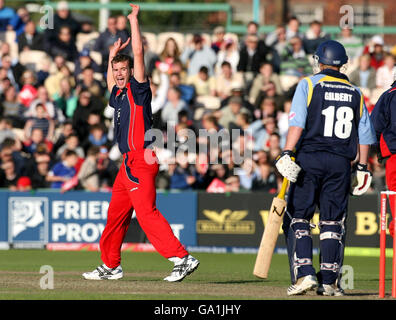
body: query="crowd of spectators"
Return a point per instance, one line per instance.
(56, 125)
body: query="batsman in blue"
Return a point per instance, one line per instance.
(329, 137)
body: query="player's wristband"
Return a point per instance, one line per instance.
(290, 153)
(362, 167)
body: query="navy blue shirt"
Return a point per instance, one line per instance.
(132, 115)
(332, 113)
(383, 117)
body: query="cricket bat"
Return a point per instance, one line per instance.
(271, 232)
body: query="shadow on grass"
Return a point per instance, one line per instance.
(236, 281)
(361, 294)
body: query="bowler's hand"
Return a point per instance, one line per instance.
(118, 46)
(135, 11)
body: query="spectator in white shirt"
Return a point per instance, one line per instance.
(386, 73)
(293, 28)
(159, 92)
(197, 55)
(228, 52)
(172, 108)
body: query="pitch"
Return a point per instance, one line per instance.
(219, 277)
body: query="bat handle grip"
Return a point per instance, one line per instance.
(282, 191)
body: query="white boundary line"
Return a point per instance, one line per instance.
(388, 192)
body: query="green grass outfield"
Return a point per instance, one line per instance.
(219, 277)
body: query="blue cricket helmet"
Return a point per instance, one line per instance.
(331, 53)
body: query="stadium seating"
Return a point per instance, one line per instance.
(85, 39)
(9, 37)
(152, 40)
(206, 36)
(199, 112)
(287, 81)
(164, 36)
(209, 102)
(228, 35)
(232, 36)
(32, 58)
(71, 65)
(96, 56)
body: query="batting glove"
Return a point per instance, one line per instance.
(362, 180)
(286, 165)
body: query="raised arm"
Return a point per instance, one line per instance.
(137, 45)
(115, 49)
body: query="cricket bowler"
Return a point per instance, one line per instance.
(134, 186)
(329, 127)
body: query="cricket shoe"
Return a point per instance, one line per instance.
(302, 285)
(104, 273)
(183, 267)
(330, 290)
